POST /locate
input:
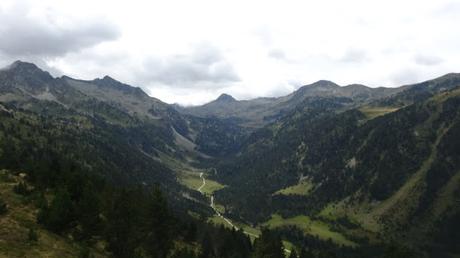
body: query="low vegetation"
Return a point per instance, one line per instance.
(302, 188)
(373, 112)
(310, 227)
(21, 236)
(193, 181)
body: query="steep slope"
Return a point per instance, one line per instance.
(110, 129)
(387, 173)
(24, 85)
(131, 99)
(422, 91)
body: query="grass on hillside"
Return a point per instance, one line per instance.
(358, 214)
(190, 176)
(446, 197)
(220, 208)
(193, 181)
(302, 188)
(250, 231)
(373, 112)
(311, 227)
(398, 205)
(211, 186)
(219, 221)
(15, 225)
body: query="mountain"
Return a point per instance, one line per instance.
(108, 128)
(24, 82)
(258, 112)
(225, 98)
(394, 175)
(96, 168)
(26, 86)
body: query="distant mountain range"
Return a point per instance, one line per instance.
(262, 111)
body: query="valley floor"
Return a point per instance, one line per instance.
(197, 180)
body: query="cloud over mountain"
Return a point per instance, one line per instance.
(204, 67)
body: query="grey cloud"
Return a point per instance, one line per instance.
(277, 54)
(6, 61)
(406, 76)
(281, 55)
(205, 67)
(354, 56)
(427, 60)
(206, 54)
(284, 88)
(25, 35)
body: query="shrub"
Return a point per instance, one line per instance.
(21, 189)
(32, 235)
(3, 207)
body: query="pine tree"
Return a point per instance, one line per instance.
(306, 254)
(121, 233)
(32, 235)
(206, 246)
(88, 210)
(3, 207)
(268, 245)
(59, 214)
(293, 254)
(21, 188)
(158, 240)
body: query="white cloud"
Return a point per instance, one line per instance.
(428, 60)
(354, 56)
(406, 76)
(204, 67)
(252, 48)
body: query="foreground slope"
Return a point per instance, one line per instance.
(22, 236)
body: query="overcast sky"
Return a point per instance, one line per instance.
(190, 52)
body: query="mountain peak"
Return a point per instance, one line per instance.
(324, 83)
(28, 70)
(319, 87)
(112, 83)
(225, 98)
(109, 81)
(108, 78)
(24, 67)
(19, 64)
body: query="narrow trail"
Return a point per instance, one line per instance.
(229, 222)
(202, 185)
